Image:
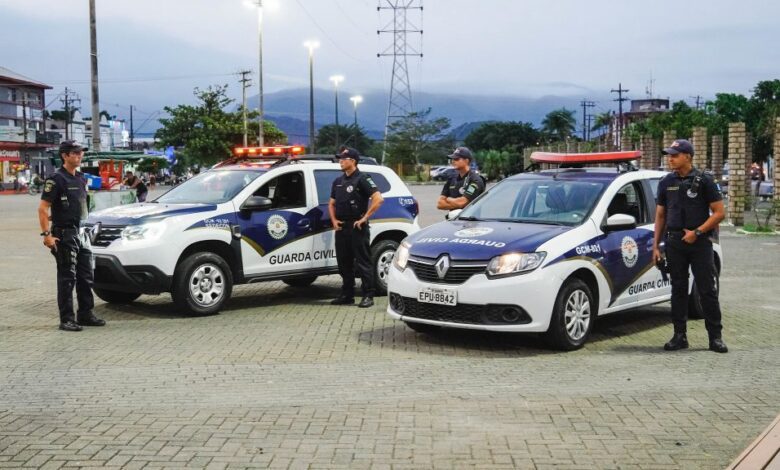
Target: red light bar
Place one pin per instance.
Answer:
(576, 158)
(272, 152)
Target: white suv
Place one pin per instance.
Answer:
(243, 221)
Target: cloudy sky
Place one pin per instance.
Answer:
(153, 52)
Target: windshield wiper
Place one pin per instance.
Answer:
(467, 218)
(527, 221)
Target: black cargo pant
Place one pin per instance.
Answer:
(354, 257)
(699, 257)
(74, 268)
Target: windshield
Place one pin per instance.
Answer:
(210, 187)
(541, 201)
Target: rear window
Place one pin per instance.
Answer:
(324, 181)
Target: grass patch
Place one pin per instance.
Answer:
(757, 229)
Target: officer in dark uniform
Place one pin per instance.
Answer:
(134, 182)
(65, 194)
(349, 213)
(689, 208)
(465, 186)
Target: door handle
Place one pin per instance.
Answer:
(304, 223)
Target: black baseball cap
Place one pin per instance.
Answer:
(349, 152)
(461, 152)
(68, 146)
(679, 146)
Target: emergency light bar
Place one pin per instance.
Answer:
(277, 151)
(581, 158)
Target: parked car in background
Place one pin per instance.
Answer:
(445, 174)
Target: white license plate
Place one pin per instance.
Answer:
(431, 295)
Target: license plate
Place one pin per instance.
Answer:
(432, 295)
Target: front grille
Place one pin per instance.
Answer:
(491, 314)
(425, 270)
(108, 233)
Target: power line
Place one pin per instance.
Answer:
(585, 105)
(697, 99)
(620, 101)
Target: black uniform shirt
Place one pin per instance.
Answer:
(352, 194)
(469, 186)
(687, 207)
(68, 197)
(141, 188)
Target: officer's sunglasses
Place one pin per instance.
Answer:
(76, 152)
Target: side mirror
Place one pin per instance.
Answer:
(619, 222)
(453, 213)
(256, 203)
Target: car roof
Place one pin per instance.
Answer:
(599, 174)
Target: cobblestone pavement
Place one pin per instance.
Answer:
(282, 379)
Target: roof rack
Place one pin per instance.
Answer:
(622, 160)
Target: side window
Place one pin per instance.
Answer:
(654, 186)
(381, 182)
(286, 191)
(629, 200)
(323, 179)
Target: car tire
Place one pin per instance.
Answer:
(381, 259)
(424, 328)
(695, 309)
(300, 281)
(202, 284)
(573, 316)
(114, 296)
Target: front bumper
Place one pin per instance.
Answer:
(110, 274)
(522, 303)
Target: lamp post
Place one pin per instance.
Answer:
(311, 45)
(336, 79)
(259, 5)
(357, 99)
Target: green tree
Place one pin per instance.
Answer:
(152, 165)
(511, 137)
(207, 132)
(602, 121)
(762, 115)
(416, 138)
(559, 124)
(495, 163)
(59, 114)
(348, 135)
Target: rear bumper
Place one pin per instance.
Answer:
(112, 275)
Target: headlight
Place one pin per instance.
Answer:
(402, 256)
(514, 263)
(143, 232)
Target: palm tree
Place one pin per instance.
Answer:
(602, 120)
(559, 123)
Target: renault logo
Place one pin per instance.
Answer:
(442, 266)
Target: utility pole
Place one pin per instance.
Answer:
(589, 121)
(94, 70)
(67, 101)
(245, 83)
(620, 101)
(132, 134)
(585, 105)
(698, 101)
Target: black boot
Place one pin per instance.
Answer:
(718, 346)
(70, 326)
(89, 319)
(343, 300)
(366, 302)
(678, 341)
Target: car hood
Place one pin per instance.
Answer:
(140, 213)
(471, 240)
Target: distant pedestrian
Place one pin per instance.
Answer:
(134, 182)
(464, 186)
(65, 195)
(688, 210)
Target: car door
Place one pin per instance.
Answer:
(277, 240)
(325, 241)
(628, 253)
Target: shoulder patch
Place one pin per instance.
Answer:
(48, 186)
(471, 189)
(370, 181)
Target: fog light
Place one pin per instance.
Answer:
(510, 315)
(397, 303)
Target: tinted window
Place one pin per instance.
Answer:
(629, 200)
(654, 186)
(324, 181)
(286, 191)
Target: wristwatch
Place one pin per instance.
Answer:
(45, 233)
(698, 232)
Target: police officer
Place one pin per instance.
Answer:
(349, 213)
(689, 208)
(464, 186)
(65, 194)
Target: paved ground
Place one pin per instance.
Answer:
(282, 379)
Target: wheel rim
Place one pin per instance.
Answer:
(383, 265)
(207, 285)
(577, 315)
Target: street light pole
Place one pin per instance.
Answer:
(355, 101)
(336, 79)
(261, 132)
(311, 45)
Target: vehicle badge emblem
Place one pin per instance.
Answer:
(442, 266)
